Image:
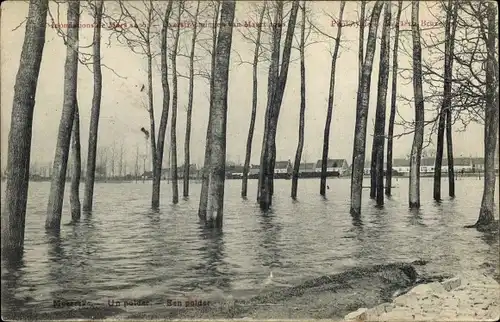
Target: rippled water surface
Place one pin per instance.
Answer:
(124, 250)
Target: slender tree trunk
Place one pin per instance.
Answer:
(248, 154)
(88, 194)
(202, 210)
(379, 131)
(300, 145)
(77, 168)
(486, 214)
(446, 104)
(382, 101)
(449, 132)
(331, 93)
(363, 98)
(155, 202)
(277, 98)
(136, 163)
(418, 139)
(218, 118)
(18, 160)
(55, 203)
(120, 161)
(187, 139)
(263, 194)
(392, 116)
(173, 128)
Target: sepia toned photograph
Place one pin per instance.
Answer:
(256, 160)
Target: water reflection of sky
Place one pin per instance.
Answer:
(125, 251)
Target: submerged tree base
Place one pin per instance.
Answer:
(414, 205)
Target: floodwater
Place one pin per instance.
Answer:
(123, 250)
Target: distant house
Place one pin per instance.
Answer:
(254, 169)
(307, 167)
(147, 175)
(193, 172)
(283, 167)
(334, 165)
(401, 165)
(234, 170)
(427, 165)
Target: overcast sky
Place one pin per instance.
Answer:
(122, 114)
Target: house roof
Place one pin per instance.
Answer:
(305, 166)
(331, 163)
(281, 164)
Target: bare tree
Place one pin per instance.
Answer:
(173, 126)
(187, 139)
(248, 154)
(202, 210)
(88, 194)
(272, 79)
(377, 159)
(120, 161)
(450, 27)
(486, 214)
(418, 138)
(218, 117)
(162, 129)
(77, 168)
(136, 167)
(112, 161)
(329, 113)
(55, 203)
(363, 98)
(392, 116)
(300, 145)
(18, 161)
(269, 146)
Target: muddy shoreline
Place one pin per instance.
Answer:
(325, 297)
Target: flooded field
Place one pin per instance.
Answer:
(123, 251)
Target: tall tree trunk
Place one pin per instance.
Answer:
(486, 214)
(300, 145)
(88, 194)
(55, 204)
(263, 194)
(202, 209)
(449, 125)
(136, 163)
(162, 129)
(392, 116)
(363, 98)
(446, 104)
(218, 118)
(379, 132)
(277, 98)
(248, 154)
(187, 139)
(120, 161)
(18, 160)
(77, 168)
(173, 128)
(418, 139)
(331, 93)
